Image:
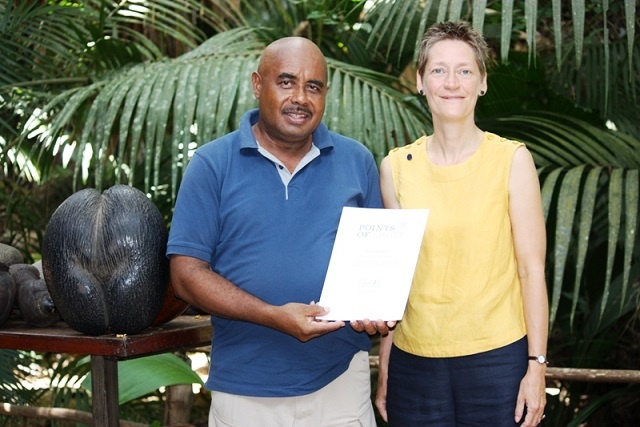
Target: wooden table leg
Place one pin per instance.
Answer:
(104, 391)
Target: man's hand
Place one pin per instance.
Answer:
(299, 321)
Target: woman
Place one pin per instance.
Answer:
(471, 347)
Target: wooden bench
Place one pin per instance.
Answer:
(181, 333)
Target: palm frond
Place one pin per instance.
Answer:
(157, 110)
(122, 111)
(67, 372)
(29, 31)
(370, 110)
(592, 70)
(569, 197)
(14, 377)
(570, 153)
(630, 10)
(556, 139)
(607, 83)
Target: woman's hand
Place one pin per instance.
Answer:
(532, 396)
(373, 327)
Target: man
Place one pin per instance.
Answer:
(250, 242)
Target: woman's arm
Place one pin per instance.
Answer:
(529, 238)
(390, 201)
(387, 188)
(383, 374)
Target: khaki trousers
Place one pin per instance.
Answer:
(345, 402)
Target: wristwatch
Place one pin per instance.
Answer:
(540, 359)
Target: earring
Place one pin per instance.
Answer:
(482, 93)
(421, 92)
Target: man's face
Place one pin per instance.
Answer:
(291, 88)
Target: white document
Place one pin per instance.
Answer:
(372, 263)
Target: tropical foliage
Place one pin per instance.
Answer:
(95, 93)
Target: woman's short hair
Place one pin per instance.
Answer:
(450, 30)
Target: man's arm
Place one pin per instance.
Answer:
(194, 282)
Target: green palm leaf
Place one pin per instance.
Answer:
(584, 231)
(558, 142)
(14, 374)
(153, 108)
(130, 89)
(566, 209)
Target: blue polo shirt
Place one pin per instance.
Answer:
(274, 240)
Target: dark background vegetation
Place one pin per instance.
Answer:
(95, 93)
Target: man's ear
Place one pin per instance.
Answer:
(256, 81)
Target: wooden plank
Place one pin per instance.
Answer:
(182, 332)
(55, 414)
(594, 375)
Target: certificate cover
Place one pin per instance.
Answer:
(372, 263)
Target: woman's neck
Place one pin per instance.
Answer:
(451, 145)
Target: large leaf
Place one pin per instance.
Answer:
(155, 107)
(141, 376)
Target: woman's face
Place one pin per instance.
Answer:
(452, 81)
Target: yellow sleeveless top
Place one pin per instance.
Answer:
(466, 296)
